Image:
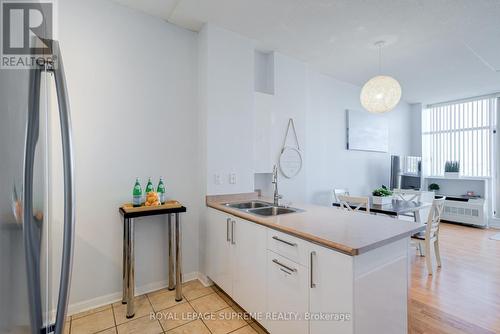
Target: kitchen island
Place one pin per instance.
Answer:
(318, 270)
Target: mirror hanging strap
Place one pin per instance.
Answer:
(291, 124)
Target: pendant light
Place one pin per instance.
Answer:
(381, 93)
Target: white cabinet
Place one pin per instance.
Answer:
(219, 256)
(311, 281)
(360, 294)
(331, 291)
(292, 248)
(236, 259)
(381, 289)
(249, 266)
(304, 288)
(287, 295)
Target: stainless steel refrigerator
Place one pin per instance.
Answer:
(33, 297)
(406, 172)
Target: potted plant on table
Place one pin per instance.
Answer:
(451, 169)
(382, 195)
(434, 187)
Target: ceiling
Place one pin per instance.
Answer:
(439, 50)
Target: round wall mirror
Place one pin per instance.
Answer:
(290, 162)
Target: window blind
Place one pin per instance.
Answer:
(460, 132)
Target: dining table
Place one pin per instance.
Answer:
(396, 208)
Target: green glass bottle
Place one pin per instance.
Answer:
(149, 187)
(137, 193)
(161, 190)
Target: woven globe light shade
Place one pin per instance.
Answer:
(380, 94)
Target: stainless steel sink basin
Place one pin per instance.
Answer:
(272, 211)
(248, 205)
(262, 208)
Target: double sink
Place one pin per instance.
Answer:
(261, 208)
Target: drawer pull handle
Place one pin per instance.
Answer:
(228, 238)
(233, 224)
(313, 285)
(293, 244)
(285, 271)
(293, 270)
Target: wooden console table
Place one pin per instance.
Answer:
(129, 213)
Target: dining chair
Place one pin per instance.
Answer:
(407, 195)
(337, 193)
(411, 195)
(429, 238)
(346, 203)
(422, 214)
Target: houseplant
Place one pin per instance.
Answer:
(434, 187)
(382, 195)
(452, 169)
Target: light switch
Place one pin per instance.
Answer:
(217, 179)
(232, 178)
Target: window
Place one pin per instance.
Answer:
(411, 165)
(460, 132)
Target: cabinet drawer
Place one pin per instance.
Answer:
(288, 246)
(287, 294)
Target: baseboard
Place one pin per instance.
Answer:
(205, 280)
(89, 304)
(494, 223)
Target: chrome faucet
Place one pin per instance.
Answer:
(277, 196)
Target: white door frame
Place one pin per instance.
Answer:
(496, 168)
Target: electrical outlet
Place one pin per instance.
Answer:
(232, 178)
(217, 179)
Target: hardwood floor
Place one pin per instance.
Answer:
(464, 295)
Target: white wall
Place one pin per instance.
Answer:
(290, 101)
(226, 103)
(151, 99)
(273, 113)
(416, 129)
(226, 85)
(317, 103)
(132, 82)
(329, 164)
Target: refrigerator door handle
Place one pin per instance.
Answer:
(31, 235)
(69, 192)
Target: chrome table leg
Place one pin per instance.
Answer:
(178, 259)
(125, 261)
(171, 284)
(416, 216)
(130, 269)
